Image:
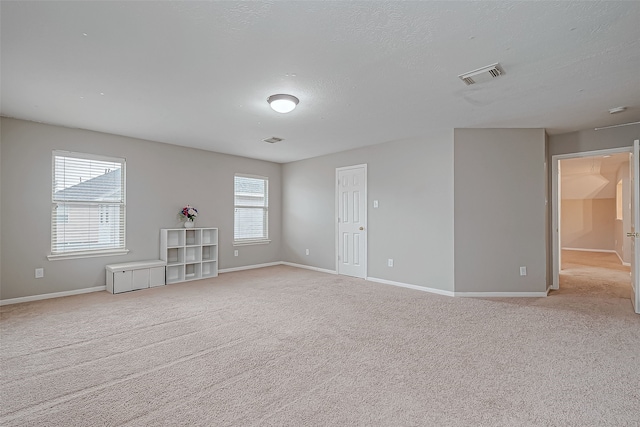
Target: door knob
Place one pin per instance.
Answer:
(633, 234)
(361, 228)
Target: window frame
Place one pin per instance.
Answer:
(265, 209)
(55, 253)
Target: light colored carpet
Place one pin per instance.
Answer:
(282, 346)
(594, 273)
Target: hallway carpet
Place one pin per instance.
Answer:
(594, 274)
(282, 346)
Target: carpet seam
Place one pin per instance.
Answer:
(67, 397)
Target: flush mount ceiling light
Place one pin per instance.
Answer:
(283, 103)
(482, 74)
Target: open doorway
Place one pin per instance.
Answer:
(592, 216)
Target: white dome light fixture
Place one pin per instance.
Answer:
(283, 103)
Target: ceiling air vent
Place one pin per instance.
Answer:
(482, 74)
(273, 140)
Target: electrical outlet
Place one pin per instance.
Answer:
(523, 271)
(39, 273)
(375, 203)
(307, 251)
(390, 262)
(235, 253)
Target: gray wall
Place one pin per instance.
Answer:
(413, 182)
(498, 203)
(161, 178)
(500, 214)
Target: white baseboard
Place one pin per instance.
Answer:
(609, 251)
(249, 267)
(271, 264)
(501, 294)
(52, 295)
(406, 285)
(627, 264)
(308, 267)
(590, 250)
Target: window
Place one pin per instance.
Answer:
(251, 218)
(619, 213)
(88, 205)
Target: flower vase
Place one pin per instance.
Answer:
(188, 224)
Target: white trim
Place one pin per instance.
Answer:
(555, 214)
(634, 177)
(626, 264)
(594, 153)
(122, 203)
(249, 267)
(501, 294)
(89, 156)
(609, 251)
(416, 287)
(248, 175)
(52, 295)
(308, 267)
(265, 211)
(93, 254)
(619, 257)
(251, 242)
(272, 264)
(556, 253)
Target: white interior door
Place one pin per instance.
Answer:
(634, 173)
(351, 194)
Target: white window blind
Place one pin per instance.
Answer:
(251, 216)
(88, 204)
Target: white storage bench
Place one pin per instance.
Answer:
(131, 276)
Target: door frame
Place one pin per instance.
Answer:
(635, 225)
(555, 198)
(366, 217)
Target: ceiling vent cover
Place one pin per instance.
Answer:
(482, 74)
(273, 140)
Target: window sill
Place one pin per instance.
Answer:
(251, 242)
(76, 255)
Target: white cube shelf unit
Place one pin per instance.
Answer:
(190, 253)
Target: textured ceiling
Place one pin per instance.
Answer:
(198, 73)
(601, 165)
(591, 177)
